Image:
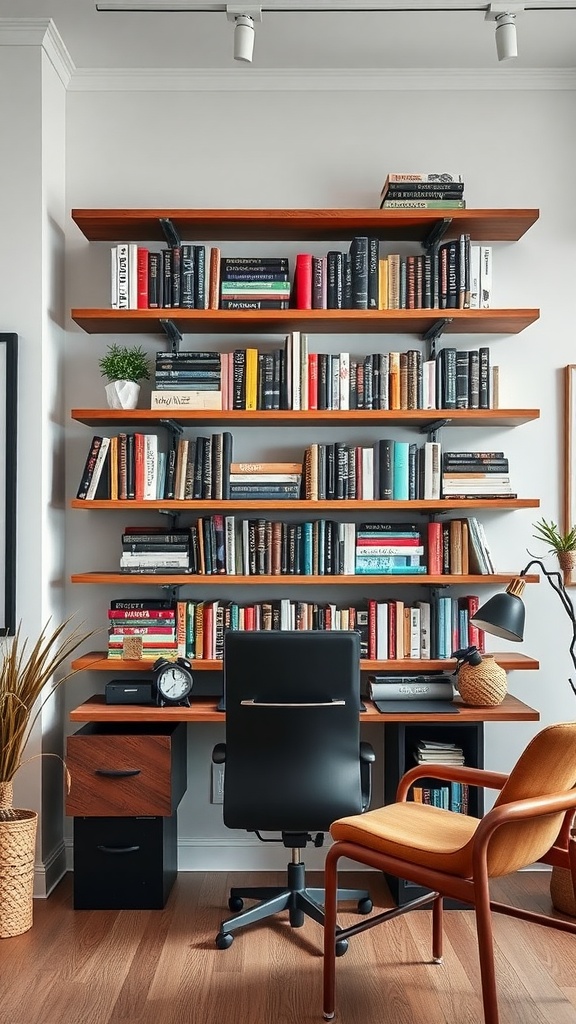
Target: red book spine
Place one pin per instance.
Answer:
(142, 278)
(372, 644)
(139, 467)
(148, 613)
(435, 549)
(303, 280)
(312, 380)
(476, 636)
(249, 617)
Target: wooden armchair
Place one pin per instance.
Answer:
(455, 855)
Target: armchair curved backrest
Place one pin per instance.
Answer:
(292, 729)
(546, 767)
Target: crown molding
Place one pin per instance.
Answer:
(40, 32)
(318, 80)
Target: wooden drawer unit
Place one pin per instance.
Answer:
(121, 770)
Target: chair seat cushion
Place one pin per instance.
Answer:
(414, 832)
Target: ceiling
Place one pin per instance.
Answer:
(312, 39)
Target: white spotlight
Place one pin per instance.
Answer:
(506, 41)
(244, 38)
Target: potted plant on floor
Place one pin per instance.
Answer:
(23, 677)
(124, 366)
(563, 545)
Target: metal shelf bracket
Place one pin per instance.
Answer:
(433, 333)
(174, 428)
(436, 234)
(170, 233)
(172, 333)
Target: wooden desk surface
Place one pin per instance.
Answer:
(96, 710)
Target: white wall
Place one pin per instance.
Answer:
(333, 149)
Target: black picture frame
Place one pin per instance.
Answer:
(8, 461)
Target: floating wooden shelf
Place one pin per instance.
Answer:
(318, 321)
(301, 225)
(96, 661)
(295, 418)
(209, 505)
(189, 580)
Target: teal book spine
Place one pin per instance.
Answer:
(401, 475)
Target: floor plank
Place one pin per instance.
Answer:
(162, 967)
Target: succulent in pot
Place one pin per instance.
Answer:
(124, 366)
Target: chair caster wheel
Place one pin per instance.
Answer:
(341, 946)
(365, 906)
(224, 940)
(235, 903)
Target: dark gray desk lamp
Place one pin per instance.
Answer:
(503, 615)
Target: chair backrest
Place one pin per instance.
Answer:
(292, 729)
(547, 766)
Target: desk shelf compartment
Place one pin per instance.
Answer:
(399, 744)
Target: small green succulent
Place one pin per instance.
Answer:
(125, 362)
(557, 542)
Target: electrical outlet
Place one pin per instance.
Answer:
(217, 796)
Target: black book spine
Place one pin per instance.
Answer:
(176, 276)
(317, 282)
(484, 359)
(130, 467)
(187, 277)
(335, 282)
(201, 444)
(239, 379)
(207, 469)
(386, 469)
(89, 465)
(359, 255)
(200, 276)
(373, 258)
(462, 378)
(257, 263)
(167, 278)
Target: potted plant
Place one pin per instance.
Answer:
(124, 366)
(23, 677)
(561, 544)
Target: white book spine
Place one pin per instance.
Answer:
(424, 607)
(114, 277)
(98, 467)
(429, 384)
(367, 474)
(246, 547)
(474, 277)
(150, 466)
(304, 371)
(382, 631)
(122, 267)
(485, 276)
(296, 391)
(415, 632)
(350, 549)
(344, 380)
(335, 365)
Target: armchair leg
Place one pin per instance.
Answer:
(486, 951)
(437, 929)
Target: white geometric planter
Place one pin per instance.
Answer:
(122, 394)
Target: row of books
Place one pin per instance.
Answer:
(425, 629)
(453, 796)
(199, 626)
(387, 470)
(294, 378)
(175, 277)
(238, 546)
(147, 626)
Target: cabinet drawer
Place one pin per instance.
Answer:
(120, 771)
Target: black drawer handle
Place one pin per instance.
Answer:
(118, 849)
(118, 773)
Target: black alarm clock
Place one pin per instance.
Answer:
(173, 681)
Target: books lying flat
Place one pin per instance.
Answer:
(416, 707)
(186, 400)
(417, 688)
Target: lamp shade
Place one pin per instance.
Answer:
(503, 615)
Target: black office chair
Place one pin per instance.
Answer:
(294, 760)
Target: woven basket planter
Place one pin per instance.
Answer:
(482, 685)
(17, 847)
(562, 891)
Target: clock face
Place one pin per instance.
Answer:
(174, 682)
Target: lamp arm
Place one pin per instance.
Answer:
(556, 582)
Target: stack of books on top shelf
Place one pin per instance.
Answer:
(434, 752)
(423, 191)
(187, 380)
(481, 475)
(151, 549)
(147, 626)
(388, 548)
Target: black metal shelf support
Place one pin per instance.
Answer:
(170, 233)
(436, 234)
(433, 333)
(172, 333)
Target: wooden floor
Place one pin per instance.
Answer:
(162, 967)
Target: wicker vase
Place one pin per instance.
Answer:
(482, 685)
(17, 846)
(562, 890)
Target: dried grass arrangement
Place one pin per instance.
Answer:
(23, 677)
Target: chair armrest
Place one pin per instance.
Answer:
(450, 773)
(518, 810)
(367, 754)
(219, 753)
